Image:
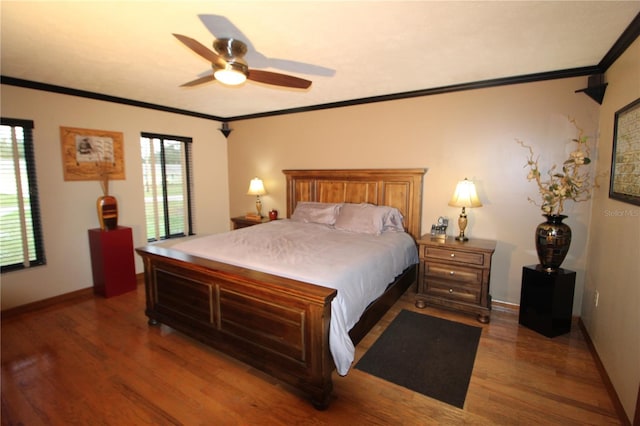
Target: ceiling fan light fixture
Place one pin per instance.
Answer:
(229, 67)
(230, 77)
(232, 73)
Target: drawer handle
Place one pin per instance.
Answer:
(450, 290)
(452, 272)
(453, 255)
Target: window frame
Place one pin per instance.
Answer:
(34, 199)
(187, 173)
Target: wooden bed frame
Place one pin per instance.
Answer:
(278, 325)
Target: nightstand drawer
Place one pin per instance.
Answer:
(453, 272)
(451, 291)
(451, 255)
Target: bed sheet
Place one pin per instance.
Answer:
(359, 266)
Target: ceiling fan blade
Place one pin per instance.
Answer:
(277, 79)
(288, 65)
(222, 27)
(205, 79)
(198, 47)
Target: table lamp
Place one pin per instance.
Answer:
(256, 187)
(464, 196)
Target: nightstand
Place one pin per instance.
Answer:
(455, 274)
(243, 222)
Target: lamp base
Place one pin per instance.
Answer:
(259, 206)
(462, 224)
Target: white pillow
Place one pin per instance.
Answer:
(313, 212)
(393, 221)
(369, 219)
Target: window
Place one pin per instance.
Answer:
(20, 227)
(166, 169)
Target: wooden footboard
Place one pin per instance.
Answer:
(275, 324)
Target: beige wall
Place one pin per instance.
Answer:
(465, 134)
(614, 251)
(69, 208)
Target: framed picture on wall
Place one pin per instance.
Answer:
(625, 159)
(90, 154)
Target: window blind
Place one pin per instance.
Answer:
(167, 176)
(21, 243)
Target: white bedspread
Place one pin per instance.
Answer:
(359, 266)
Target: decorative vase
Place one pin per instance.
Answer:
(553, 239)
(107, 212)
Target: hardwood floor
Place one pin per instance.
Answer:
(97, 362)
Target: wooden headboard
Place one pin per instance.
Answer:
(399, 188)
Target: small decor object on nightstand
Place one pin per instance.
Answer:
(256, 187)
(464, 196)
(440, 230)
(273, 214)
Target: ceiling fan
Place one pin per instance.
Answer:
(230, 67)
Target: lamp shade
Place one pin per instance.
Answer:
(256, 187)
(465, 195)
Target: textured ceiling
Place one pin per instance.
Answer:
(349, 49)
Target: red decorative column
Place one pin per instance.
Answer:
(112, 261)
